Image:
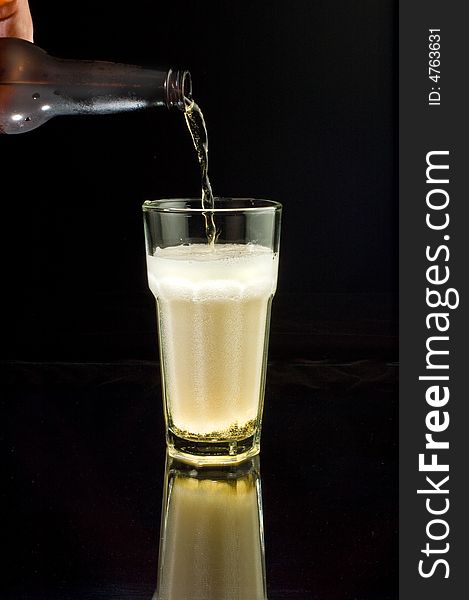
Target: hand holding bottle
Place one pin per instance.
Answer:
(35, 86)
(15, 19)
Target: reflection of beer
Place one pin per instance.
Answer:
(212, 545)
(213, 305)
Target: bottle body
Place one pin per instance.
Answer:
(35, 87)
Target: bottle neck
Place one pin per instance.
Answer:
(103, 87)
(178, 87)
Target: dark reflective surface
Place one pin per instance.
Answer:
(85, 479)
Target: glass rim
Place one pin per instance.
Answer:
(163, 205)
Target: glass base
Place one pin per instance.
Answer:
(202, 453)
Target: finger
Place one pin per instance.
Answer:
(15, 19)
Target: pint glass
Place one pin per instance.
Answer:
(213, 310)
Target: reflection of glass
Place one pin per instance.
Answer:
(213, 304)
(212, 543)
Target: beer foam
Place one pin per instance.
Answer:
(202, 272)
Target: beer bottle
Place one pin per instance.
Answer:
(35, 86)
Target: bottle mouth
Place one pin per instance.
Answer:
(178, 87)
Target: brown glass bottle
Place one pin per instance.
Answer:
(35, 87)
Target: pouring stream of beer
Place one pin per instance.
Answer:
(198, 130)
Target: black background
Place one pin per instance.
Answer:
(299, 99)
